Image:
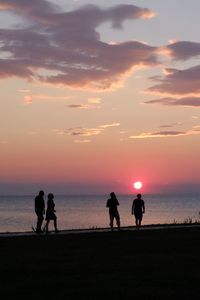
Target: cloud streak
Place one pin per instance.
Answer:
(169, 125)
(93, 103)
(167, 133)
(185, 101)
(30, 98)
(80, 131)
(82, 141)
(65, 48)
(85, 132)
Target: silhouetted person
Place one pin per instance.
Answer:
(39, 210)
(112, 203)
(50, 213)
(138, 209)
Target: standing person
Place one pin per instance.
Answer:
(50, 213)
(39, 210)
(112, 204)
(138, 209)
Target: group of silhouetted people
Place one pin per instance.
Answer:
(40, 212)
(138, 209)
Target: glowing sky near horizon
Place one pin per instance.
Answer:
(100, 92)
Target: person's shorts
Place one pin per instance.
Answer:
(138, 215)
(114, 215)
(39, 214)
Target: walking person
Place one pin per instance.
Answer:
(39, 210)
(138, 209)
(50, 213)
(112, 204)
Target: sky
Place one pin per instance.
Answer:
(97, 95)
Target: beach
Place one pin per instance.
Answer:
(130, 264)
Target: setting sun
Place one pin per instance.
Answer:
(137, 185)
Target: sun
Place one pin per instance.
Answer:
(137, 185)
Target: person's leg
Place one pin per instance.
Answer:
(111, 221)
(47, 226)
(39, 222)
(55, 224)
(140, 221)
(117, 217)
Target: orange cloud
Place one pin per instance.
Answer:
(85, 132)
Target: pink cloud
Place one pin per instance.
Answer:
(183, 50)
(178, 82)
(178, 87)
(67, 45)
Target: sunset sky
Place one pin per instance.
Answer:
(96, 95)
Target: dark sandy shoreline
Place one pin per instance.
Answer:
(101, 230)
(131, 264)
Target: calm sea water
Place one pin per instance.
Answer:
(75, 212)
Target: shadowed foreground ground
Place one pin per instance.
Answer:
(150, 264)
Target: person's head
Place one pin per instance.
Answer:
(112, 195)
(41, 193)
(50, 196)
(139, 196)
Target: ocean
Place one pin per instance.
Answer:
(81, 211)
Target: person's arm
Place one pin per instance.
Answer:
(43, 207)
(107, 204)
(132, 210)
(143, 206)
(51, 206)
(54, 207)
